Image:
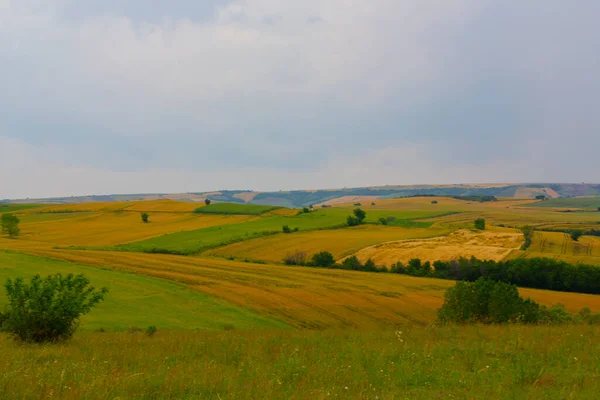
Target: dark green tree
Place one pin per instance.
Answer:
(360, 214)
(323, 259)
(480, 224)
(576, 234)
(10, 225)
(207, 201)
(48, 309)
(145, 217)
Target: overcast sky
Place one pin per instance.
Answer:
(129, 96)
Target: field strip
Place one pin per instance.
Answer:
(302, 297)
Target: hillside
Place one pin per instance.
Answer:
(302, 198)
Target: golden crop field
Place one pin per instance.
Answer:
(300, 296)
(112, 228)
(340, 242)
(462, 243)
(560, 246)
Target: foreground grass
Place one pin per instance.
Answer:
(139, 301)
(508, 362)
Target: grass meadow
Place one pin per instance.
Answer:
(470, 362)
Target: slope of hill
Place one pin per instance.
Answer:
(302, 198)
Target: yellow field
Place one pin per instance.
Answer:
(560, 246)
(111, 228)
(300, 296)
(140, 206)
(340, 242)
(463, 243)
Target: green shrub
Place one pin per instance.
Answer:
(352, 221)
(576, 234)
(10, 225)
(383, 221)
(207, 201)
(352, 263)
(286, 229)
(323, 259)
(151, 330)
(480, 224)
(48, 309)
(360, 214)
(145, 217)
(486, 301)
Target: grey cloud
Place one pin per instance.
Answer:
(306, 92)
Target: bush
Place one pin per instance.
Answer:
(352, 263)
(305, 210)
(576, 234)
(323, 259)
(207, 201)
(434, 202)
(145, 217)
(480, 224)
(352, 221)
(151, 330)
(48, 309)
(286, 229)
(486, 301)
(10, 225)
(296, 258)
(383, 221)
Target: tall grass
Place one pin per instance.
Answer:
(474, 362)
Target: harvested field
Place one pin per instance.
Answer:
(463, 243)
(340, 242)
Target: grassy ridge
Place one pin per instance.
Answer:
(472, 362)
(235, 209)
(136, 300)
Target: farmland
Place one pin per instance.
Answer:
(588, 203)
(222, 270)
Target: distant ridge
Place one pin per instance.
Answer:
(301, 198)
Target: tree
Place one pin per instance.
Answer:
(383, 221)
(360, 215)
(540, 197)
(10, 225)
(576, 234)
(286, 229)
(145, 217)
(323, 259)
(207, 201)
(352, 221)
(305, 210)
(480, 224)
(352, 263)
(48, 309)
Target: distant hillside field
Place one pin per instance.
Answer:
(304, 198)
(590, 203)
(235, 209)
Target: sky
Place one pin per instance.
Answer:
(141, 96)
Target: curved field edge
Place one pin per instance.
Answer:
(139, 301)
(303, 297)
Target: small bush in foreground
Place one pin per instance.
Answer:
(486, 301)
(48, 309)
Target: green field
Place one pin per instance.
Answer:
(469, 362)
(137, 300)
(195, 241)
(17, 207)
(235, 209)
(589, 203)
